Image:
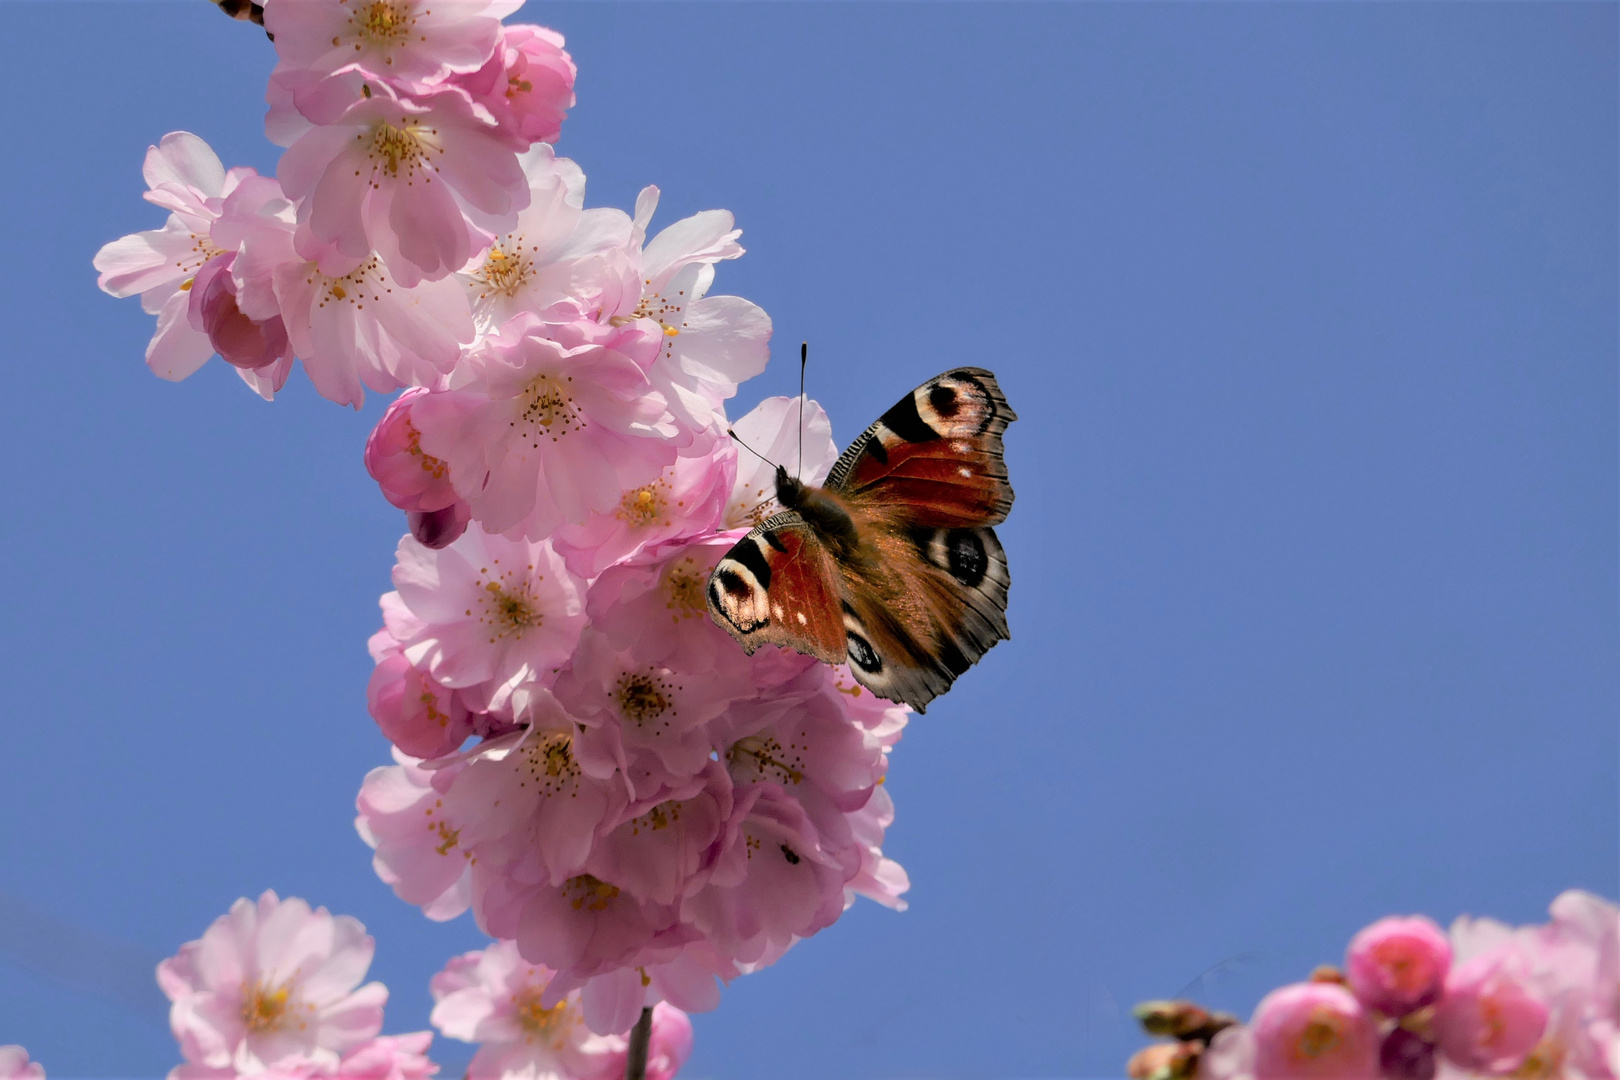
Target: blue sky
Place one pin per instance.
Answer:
(1308, 312)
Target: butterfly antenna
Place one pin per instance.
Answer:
(804, 358)
(751, 450)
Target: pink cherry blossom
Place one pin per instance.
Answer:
(589, 927)
(412, 41)
(1490, 1016)
(390, 1057)
(1569, 966)
(666, 850)
(686, 500)
(612, 1001)
(273, 982)
(417, 850)
(879, 878)
(14, 1065)
(421, 183)
(527, 85)
(1398, 965)
(1313, 1029)
(627, 707)
(1582, 950)
(780, 880)
(771, 431)
(560, 261)
(186, 178)
(545, 423)
(386, 1057)
(496, 998)
(529, 811)
(486, 615)
(710, 343)
(652, 607)
(363, 329)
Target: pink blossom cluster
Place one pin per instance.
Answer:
(408, 125)
(1413, 1003)
(273, 990)
(14, 1065)
(497, 999)
(584, 760)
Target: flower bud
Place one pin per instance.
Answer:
(1405, 1055)
(439, 528)
(239, 340)
(420, 717)
(1164, 1061)
(1316, 1030)
(1181, 1020)
(416, 482)
(1398, 965)
(1489, 1018)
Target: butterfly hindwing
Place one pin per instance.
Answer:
(935, 604)
(779, 586)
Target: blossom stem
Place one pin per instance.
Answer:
(636, 1067)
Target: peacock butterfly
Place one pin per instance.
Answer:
(893, 565)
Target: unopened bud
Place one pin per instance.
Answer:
(1327, 973)
(1165, 1061)
(1181, 1020)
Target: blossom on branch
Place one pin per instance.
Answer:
(273, 983)
(417, 42)
(499, 1000)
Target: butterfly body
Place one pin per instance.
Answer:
(892, 566)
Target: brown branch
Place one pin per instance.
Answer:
(640, 1035)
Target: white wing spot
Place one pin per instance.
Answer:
(965, 471)
(778, 610)
(800, 616)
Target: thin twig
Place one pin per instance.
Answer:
(640, 1036)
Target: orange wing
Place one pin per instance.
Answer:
(779, 586)
(937, 454)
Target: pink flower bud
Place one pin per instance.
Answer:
(1317, 1030)
(420, 717)
(527, 85)
(1397, 965)
(439, 529)
(412, 480)
(1489, 1018)
(239, 340)
(1405, 1055)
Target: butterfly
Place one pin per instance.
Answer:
(893, 565)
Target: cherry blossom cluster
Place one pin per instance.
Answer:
(1413, 1003)
(583, 760)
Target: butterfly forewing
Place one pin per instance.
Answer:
(938, 453)
(779, 586)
